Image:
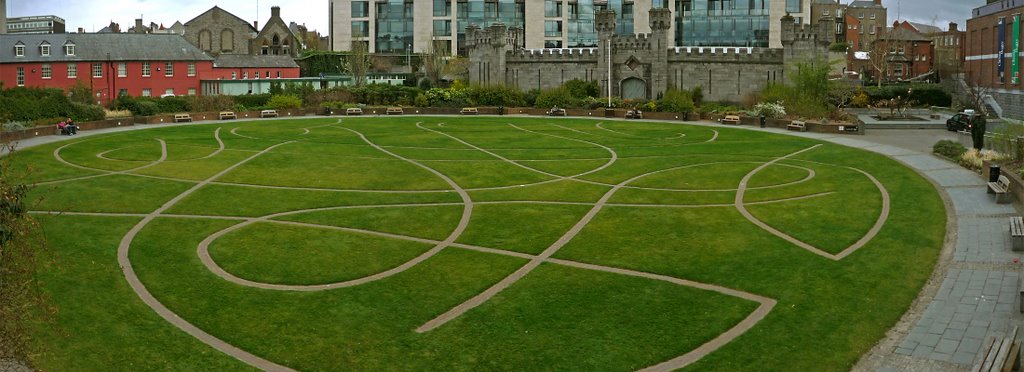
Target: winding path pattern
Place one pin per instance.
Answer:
(593, 141)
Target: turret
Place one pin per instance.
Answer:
(472, 32)
(497, 33)
(605, 23)
(788, 29)
(660, 19)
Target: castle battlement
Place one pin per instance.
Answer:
(553, 55)
(632, 42)
(724, 54)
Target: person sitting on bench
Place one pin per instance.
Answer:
(71, 127)
(63, 127)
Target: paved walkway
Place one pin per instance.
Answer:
(972, 293)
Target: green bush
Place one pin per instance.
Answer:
(209, 103)
(495, 96)
(172, 104)
(251, 100)
(949, 149)
(385, 95)
(31, 104)
(719, 108)
(531, 97)
(580, 89)
(284, 102)
(554, 97)
(676, 101)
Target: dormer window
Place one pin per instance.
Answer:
(44, 49)
(19, 50)
(69, 49)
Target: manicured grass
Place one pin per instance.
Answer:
(556, 317)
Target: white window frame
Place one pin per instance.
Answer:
(146, 92)
(191, 69)
(191, 91)
(46, 71)
(169, 69)
(44, 50)
(72, 71)
(97, 73)
(21, 76)
(147, 69)
(169, 91)
(122, 69)
(19, 50)
(69, 49)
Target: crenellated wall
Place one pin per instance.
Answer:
(643, 65)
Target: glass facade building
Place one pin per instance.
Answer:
(483, 13)
(741, 23)
(395, 26)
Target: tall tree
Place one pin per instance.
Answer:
(358, 61)
(879, 55)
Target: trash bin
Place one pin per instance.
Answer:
(609, 113)
(993, 173)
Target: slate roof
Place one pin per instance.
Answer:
(864, 4)
(251, 28)
(258, 61)
(903, 34)
(925, 29)
(102, 47)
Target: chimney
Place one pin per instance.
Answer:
(256, 24)
(138, 26)
(952, 27)
(275, 11)
(878, 2)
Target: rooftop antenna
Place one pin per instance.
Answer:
(899, 9)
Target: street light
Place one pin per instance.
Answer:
(408, 57)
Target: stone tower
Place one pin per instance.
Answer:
(3, 17)
(605, 26)
(661, 25)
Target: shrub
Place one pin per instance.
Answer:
(13, 126)
(770, 110)
(251, 100)
(113, 114)
(284, 102)
(923, 94)
(949, 149)
(860, 100)
(495, 96)
(697, 95)
(719, 108)
(329, 95)
(29, 104)
(580, 89)
(972, 159)
(172, 104)
(210, 103)
(554, 97)
(531, 97)
(676, 101)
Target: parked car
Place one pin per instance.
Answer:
(961, 121)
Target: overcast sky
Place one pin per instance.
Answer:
(96, 14)
(93, 15)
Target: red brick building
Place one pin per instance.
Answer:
(233, 67)
(109, 64)
(909, 55)
(982, 50)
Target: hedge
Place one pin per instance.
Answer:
(39, 104)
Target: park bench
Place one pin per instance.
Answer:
(395, 111)
(797, 125)
(999, 354)
(353, 111)
(1001, 188)
(731, 119)
(1017, 233)
(556, 112)
(182, 117)
(469, 111)
(634, 114)
(225, 115)
(268, 114)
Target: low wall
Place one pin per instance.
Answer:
(1016, 183)
(48, 130)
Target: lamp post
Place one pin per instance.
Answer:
(408, 57)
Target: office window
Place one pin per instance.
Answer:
(552, 28)
(44, 50)
(552, 8)
(97, 70)
(443, 27)
(122, 69)
(442, 8)
(47, 72)
(19, 50)
(360, 9)
(21, 76)
(147, 92)
(69, 49)
(72, 71)
(360, 28)
(191, 69)
(191, 91)
(145, 69)
(169, 69)
(553, 44)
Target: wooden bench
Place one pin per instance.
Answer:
(469, 111)
(556, 112)
(395, 111)
(731, 119)
(268, 114)
(353, 111)
(1017, 233)
(182, 117)
(225, 115)
(797, 125)
(999, 354)
(1001, 188)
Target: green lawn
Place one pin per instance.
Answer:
(671, 191)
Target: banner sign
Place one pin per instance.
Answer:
(1015, 60)
(1001, 53)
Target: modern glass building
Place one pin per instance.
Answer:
(417, 26)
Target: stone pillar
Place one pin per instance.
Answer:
(660, 21)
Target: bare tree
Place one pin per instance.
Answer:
(975, 97)
(435, 61)
(382, 64)
(879, 56)
(358, 62)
